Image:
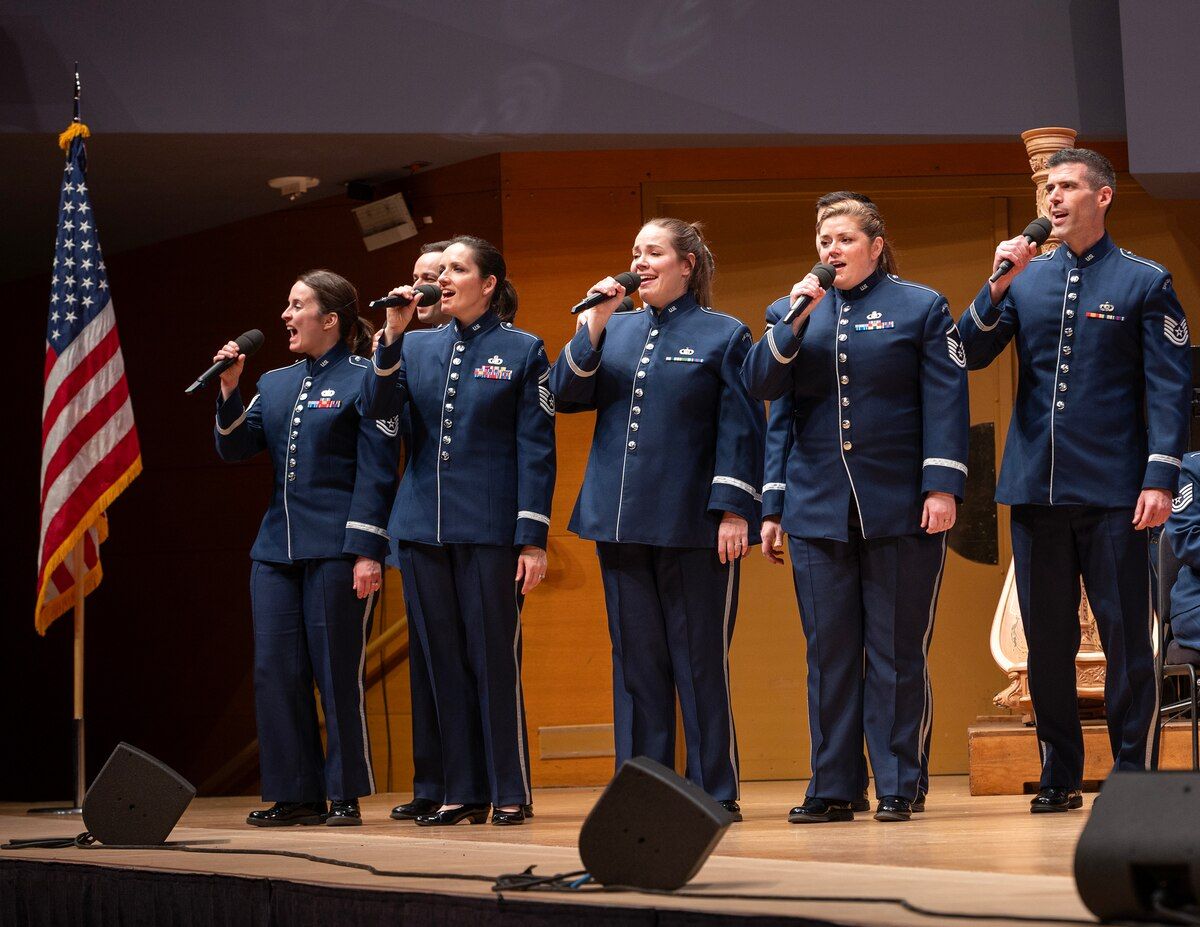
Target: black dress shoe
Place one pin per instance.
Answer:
(861, 804)
(475, 814)
(344, 813)
(893, 808)
(527, 810)
(734, 809)
(287, 813)
(1056, 799)
(918, 807)
(506, 818)
(821, 811)
(414, 809)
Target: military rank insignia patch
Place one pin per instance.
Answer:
(955, 348)
(389, 426)
(545, 397)
(1183, 499)
(1176, 331)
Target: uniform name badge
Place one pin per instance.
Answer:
(493, 369)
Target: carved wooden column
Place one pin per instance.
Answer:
(1008, 638)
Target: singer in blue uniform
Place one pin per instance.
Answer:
(875, 384)
(316, 569)
(471, 517)
(428, 784)
(1091, 461)
(670, 496)
(1183, 530)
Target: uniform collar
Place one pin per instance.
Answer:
(338, 352)
(1090, 256)
(686, 303)
(484, 323)
(863, 288)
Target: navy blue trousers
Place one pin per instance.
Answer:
(309, 626)
(1053, 546)
(467, 611)
(426, 742)
(671, 612)
(867, 607)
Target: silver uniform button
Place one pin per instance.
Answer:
(1062, 387)
(637, 410)
(848, 306)
(645, 360)
(307, 384)
(632, 445)
(445, 439)
(445, 455)
(1065, 368)
(845, 424)
(460, 348)
(291, 477)
(653, 332)
(449, 407)
(1074, 278)
(294, 433)
(1072, 296)
(304, 395)
(842, 336)
(451, 391)
(846, 445)
(1067, 349)
(292, 462)
(641, 374)
(454, 376)
(649, 345)
(638, 392)
(291, 447)
(1068, 332)
(1070, 313)
(845, 400)
(845, 379)
(633, 426)
(845, 309)
(295, 421)
(448, 423)
(842, 358)
(299, 408)
(457, 361)
(1060, 405)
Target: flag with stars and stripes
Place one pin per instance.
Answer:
(90, 447)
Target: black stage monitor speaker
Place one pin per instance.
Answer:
(1139, 853)
(135, 799)
(650, 828)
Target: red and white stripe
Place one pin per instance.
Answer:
(89, 451)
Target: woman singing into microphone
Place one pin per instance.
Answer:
(471, 517)
(670, 496)
(876, 461)
(316, 561)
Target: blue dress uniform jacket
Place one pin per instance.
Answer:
(678, 442)
(869, 409)
(481, 460)
(335, 471)
(1183, 529)
(1105, 372)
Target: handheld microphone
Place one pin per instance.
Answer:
(430, 294)
(824, 274)
(1036, 232)
(630, 281)
(247, 343)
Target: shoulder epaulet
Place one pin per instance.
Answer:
(1042, 257)
(277, 369)
(509, 327)
(722, 315)
(1129, 255)
(359, 361)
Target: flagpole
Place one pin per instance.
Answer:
(78, 569)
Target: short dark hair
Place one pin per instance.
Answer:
(434, 246)
(1099, 172)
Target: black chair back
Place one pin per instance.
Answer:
(1168, 571)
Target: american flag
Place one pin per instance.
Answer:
(90, 447)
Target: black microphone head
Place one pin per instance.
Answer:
(629, 280)
(626, 305)
(250, 341)
(825, 274)
(1038, 230)
(430, 293)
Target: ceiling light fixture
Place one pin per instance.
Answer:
(293, 187)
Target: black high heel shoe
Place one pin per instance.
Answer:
(475, 814)
(503, 818)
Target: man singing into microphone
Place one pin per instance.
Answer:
(1091, 461)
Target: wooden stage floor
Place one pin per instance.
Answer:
(978, 855)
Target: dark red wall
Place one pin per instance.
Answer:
(168, 630)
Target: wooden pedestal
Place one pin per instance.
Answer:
(1003, 754)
